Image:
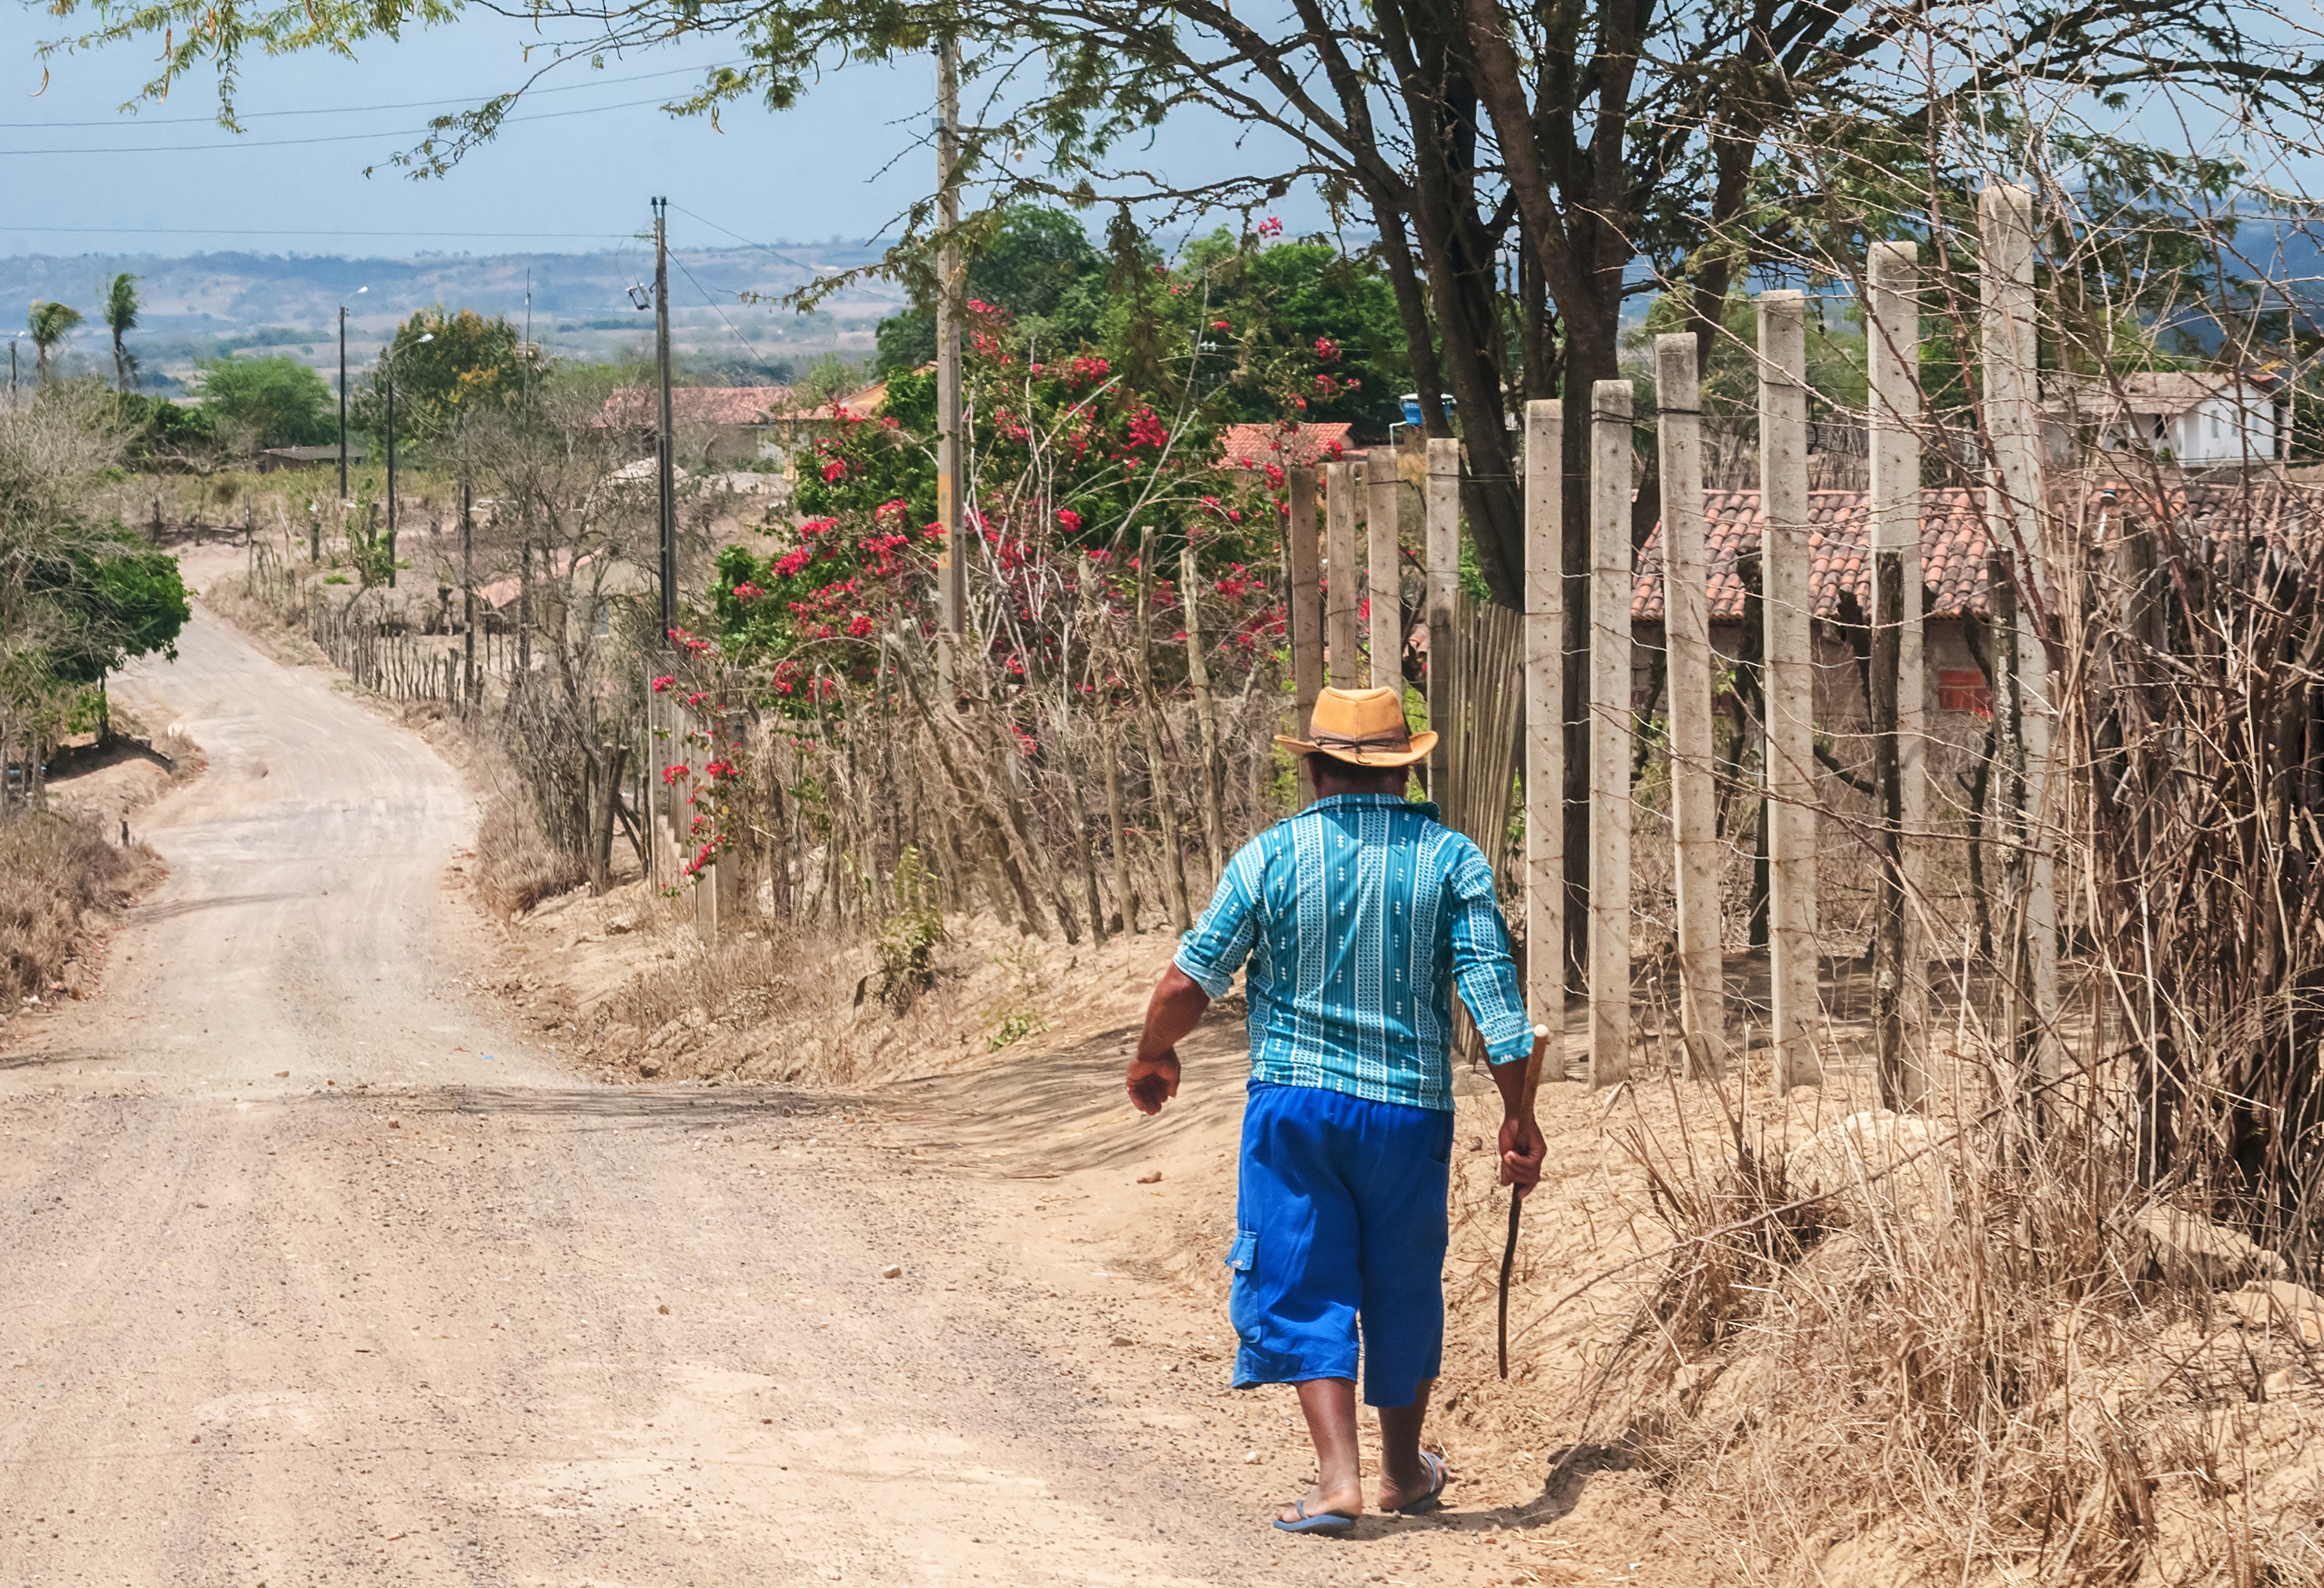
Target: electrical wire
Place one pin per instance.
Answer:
(739, 237)
(717, 308)
(165, 120)
(7, 227)
(328, 138)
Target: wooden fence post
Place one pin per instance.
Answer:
(1610, 732)
(1307, 611)
(1385, 584)
(1340, 567)
(2012, 521)
(1788, 603)
(1686, 640)
(1899, 704)
(1544, 717)
(1444, 586)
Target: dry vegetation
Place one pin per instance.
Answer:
(55, 870)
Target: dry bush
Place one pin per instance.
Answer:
(54, 868)
(1970, 1370)
(773, 1002)
(517, 867)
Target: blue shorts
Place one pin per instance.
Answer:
(1340, 1227)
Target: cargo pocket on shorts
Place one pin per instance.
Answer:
(1244, 1313)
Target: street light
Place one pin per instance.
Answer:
(387, 363)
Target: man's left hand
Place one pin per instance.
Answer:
(1522, 1151)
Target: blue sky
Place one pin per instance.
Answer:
(170, 180)
(166, 180)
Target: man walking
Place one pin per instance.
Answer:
(1359, 916)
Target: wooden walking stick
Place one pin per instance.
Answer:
(1516, 1192)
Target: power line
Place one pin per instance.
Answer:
(719, 309)
(739, 237)
(6, 226)
(168, 120)
(328, 138)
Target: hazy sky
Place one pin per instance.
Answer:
(166, 179)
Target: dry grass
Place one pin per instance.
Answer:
(768, 1002)
(54, 869)
(517, 867)
(1970, 1371)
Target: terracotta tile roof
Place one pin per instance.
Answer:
(2266, 505)
(1952, 552)
(634, 407)
(1285, 446)
(2263, 505)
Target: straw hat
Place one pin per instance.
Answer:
(1364, 727)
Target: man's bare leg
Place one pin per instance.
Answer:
(1330, 1405)
(1404, 1476)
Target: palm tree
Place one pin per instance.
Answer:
(120, 299)
(50, 323)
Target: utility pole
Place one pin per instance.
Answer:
(951, 562)
(662, 460)
(390, 469)
(468, 584)
(343, 402)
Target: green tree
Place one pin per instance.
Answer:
(443, 363)
(51, 324)
(260, 403)
(1028, 260)
(125, 601)
(119, 296)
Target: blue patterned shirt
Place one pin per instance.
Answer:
(1359, 917)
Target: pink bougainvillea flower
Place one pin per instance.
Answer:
(1071, 520)
(833, 472)
(671, 774)
(663, 683)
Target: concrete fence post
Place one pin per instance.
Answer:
(1545, 719)
(1340, 572)
(1306, 613)
(1610, 732)
(1385, 584)
(1444, 587)
(1788, 674)
(1686, 640)
(2012, 522)
(1899, 705)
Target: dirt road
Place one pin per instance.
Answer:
(413, 1314)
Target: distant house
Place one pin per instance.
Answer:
(1288, 445)
(2262, 506)
(726, 426)
(2191, 418)
(281, 458)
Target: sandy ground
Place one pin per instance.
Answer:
(321, 1272)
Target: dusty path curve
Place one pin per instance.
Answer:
(410, 1315)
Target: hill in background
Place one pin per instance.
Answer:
(207, 304)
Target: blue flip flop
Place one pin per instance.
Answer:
(1323, 1521)
(1434, 1498)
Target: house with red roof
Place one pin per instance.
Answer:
(2262, 506)
(1288, 445)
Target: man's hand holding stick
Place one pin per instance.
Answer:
(1522, 1151)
